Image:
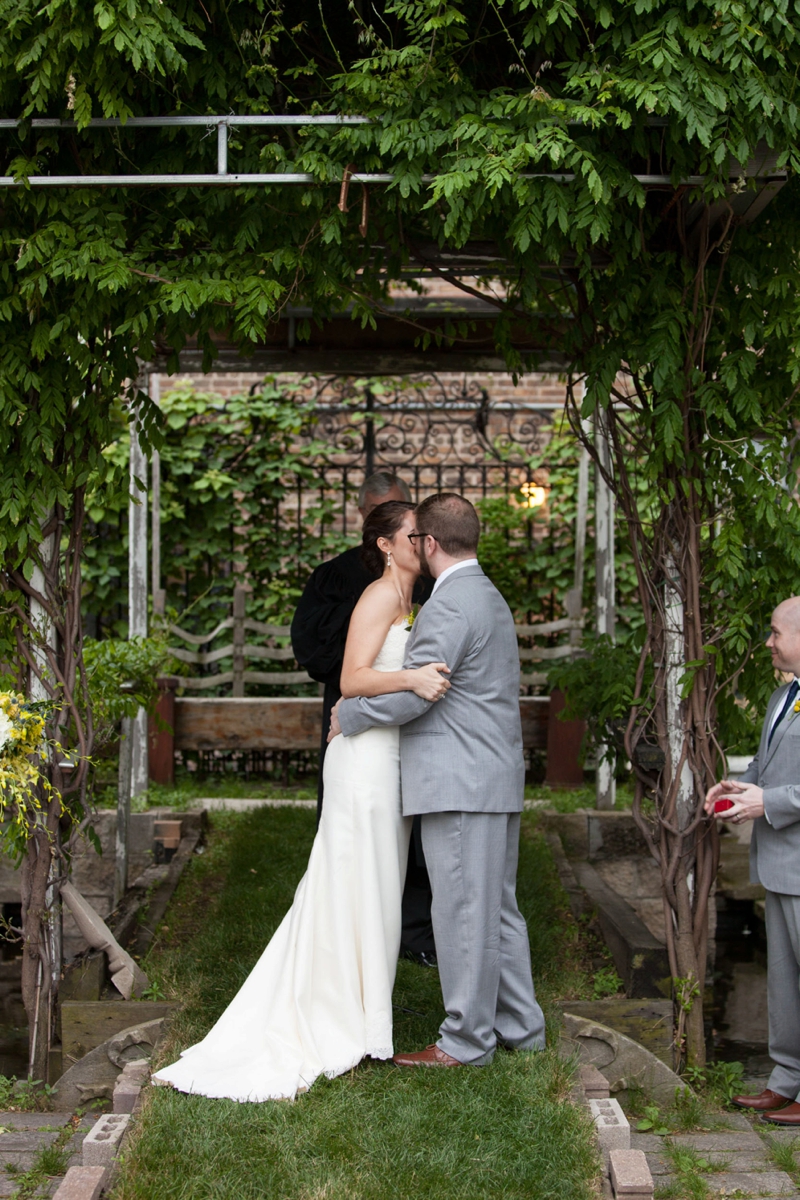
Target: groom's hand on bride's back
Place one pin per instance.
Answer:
(335, 728)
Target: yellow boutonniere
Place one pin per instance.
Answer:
(797, 706)
(412, 616)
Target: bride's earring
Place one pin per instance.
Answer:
(389, 558)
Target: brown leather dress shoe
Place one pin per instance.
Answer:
(789, 1116)
(766, 1101)
(431, 1056)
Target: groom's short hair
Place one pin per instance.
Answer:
(452, 521)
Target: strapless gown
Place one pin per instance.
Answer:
(320, 997)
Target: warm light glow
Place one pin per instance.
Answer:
(534, 495)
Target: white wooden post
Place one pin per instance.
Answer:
(137, 594)
(675, 656)
(574, 598)
(157, 592)
(605, 606)
(239, 613)
(136, 728)
(36, 691)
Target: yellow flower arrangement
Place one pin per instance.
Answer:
(22, 743)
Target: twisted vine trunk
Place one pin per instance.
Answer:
(670, 735)
(40, 968)
(51, 649)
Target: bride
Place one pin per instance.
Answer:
(320, 997)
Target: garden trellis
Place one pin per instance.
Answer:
(765, 169)
(747, 203)
(716, 82)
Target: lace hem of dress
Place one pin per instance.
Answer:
(303, 1084)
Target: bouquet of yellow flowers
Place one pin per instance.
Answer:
(22, 741)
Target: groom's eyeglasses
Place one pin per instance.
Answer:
(412, 537)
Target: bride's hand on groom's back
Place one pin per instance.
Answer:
(429, 682)
(335, 728)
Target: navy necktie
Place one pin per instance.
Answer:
(787, 704)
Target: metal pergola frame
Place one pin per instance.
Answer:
(223, 124)
(747, 203)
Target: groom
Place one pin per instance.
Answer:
(462, 768)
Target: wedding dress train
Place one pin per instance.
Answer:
(320, 997)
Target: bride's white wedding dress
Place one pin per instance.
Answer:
(320, 997)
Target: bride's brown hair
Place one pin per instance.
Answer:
(383, 522)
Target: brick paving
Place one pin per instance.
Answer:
(739, 1156)
(25, 1134)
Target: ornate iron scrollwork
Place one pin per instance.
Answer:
(422, 421)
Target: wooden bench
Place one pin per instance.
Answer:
(292, 723)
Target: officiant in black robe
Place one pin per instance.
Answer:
(319, 633)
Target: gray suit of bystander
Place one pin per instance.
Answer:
(768, 793)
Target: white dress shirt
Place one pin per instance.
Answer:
(465, 562)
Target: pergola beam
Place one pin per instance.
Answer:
(223, 179)
(761, 166)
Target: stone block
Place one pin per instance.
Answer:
(93, 873)
(84, 979)
(101, 1144)
(9, 881)
(593, 1082)
(614, 835)
(125, 1096)
(93, 1077)
(571, 828)
(756, 1183)
(721, 1143)
(137, 1044)
(86, 1024)
(82, 1183)
(640, 958)
(27, 1141)
(630, 1174)
(20, 1120)
(648, 1022)
(623, 1061)
(140, 843)
(738, 1120)
(128, 1087)
(74, 941)
(136, 1071)
(745, 1012)
(613, 1130)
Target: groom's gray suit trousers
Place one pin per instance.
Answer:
(481, 936)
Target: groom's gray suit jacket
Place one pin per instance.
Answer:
(463, 752)
(775, 845)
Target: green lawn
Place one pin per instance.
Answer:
(189, 786)
(380, 1132)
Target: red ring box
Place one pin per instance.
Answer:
(722, 805)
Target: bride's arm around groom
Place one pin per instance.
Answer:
(463, 770)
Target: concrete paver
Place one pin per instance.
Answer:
(742, 1156)
(23, 1135)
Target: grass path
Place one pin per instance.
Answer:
(377, 1133)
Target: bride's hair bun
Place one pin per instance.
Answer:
(383, 522)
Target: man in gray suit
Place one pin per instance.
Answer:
(768, 793)
(462, 769)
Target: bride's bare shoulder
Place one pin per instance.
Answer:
(379, 599)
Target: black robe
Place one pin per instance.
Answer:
(319, 633)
